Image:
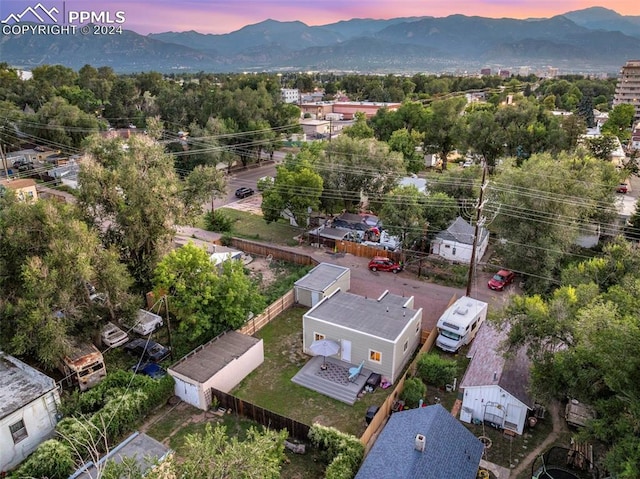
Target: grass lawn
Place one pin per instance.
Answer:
(270, 385)
(254, 227)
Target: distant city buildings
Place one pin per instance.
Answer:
(628, 87)
(290, 95)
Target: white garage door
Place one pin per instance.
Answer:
(187, 392)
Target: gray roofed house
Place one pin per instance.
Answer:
(220, 364)
(456, 242)
(28, 410)
(425, 443)
(381, 332)
(320, 282)
(495, 387)
(143, 449)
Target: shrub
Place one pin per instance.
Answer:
(217, 221)
(436, 370)
(226, 240)
(414, 390)
(344, 452)
(52, 459)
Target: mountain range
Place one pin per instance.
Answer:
(584, 41)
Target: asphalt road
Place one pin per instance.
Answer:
(247, 177)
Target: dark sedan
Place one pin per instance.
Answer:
(244, 192)
(147, 350)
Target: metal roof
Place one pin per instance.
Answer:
(384, 317)
(489, 366)
(461, 232)
(204, 362)
(321, 277)
(20, 384)
(139, 447)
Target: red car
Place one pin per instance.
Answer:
(501, 280)
(622, 188)
(383, 263)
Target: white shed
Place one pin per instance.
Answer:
(220, 364)
(320, 282)
(456, 242)
(495, 388)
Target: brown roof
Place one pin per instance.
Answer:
(16, 184)
(489, 366)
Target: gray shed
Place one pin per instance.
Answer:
(321, 282)
(383, 333)
(220, 364)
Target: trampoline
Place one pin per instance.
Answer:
(555, 473)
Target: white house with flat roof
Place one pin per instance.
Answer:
(382, 332)
(220, 364)
(321, 282)
(29, 403)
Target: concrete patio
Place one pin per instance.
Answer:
(332, 381)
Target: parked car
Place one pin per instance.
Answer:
(622, 188)
(382, 263)
(244, 192)
(112, 336)
(501, 280)
(153, 370)
(147, 350)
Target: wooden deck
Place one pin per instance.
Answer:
(332, 381)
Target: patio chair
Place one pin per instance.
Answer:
(355, 372)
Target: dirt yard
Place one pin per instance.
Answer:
(261, 268)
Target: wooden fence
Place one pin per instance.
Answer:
(380, 419)
(273, 310)
(267, 250)
(364, 251)
(262, 416)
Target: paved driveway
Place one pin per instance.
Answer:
(432, 298)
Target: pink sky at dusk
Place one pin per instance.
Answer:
(224, 16)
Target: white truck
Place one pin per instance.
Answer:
(459, 324)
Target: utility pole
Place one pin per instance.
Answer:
(4, 162)
(479, 222)
(166, 309)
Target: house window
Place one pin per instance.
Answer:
(375, 356)
(18, 431)
(318, 336)
(405, 346)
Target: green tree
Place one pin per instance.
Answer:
(483, 135)
(440, 210)
(48, 257)
(577, 338)
(602, 146)
(360, 129)
(540, 223)
(214, 455)
(409, 143)
(131, 194)
(206, 300)
(353, 168)
(403, 213)
(620, 121)
(441, 135)
(63, 124)
(296, 189)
